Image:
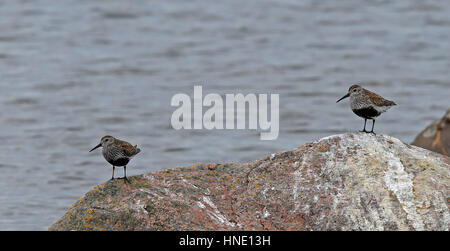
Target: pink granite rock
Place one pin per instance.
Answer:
(352, 181)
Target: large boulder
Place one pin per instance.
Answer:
(436, 137)
(353, 181)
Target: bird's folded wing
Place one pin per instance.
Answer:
(128, 149)
(378, 100)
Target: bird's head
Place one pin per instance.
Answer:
(104, 142)
(352, 91)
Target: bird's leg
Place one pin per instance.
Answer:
(364, 130)
(113, 173)
(373, 125)
(125, 173)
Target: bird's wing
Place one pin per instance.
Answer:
(378, 100)
(128, 149)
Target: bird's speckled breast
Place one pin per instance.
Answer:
(114, 155)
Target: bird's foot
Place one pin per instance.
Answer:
(364, 131)
(372, 132)
(125, 179)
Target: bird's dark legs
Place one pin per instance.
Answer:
(373, 125)
(364, 130)
(125, 173)
(113, 173)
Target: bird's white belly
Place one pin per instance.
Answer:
(381, 109)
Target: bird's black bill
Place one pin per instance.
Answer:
(99, 145)
(346, 96)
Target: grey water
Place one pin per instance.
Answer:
(74, 71)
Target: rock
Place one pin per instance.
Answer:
(353, 181)
(436, 137)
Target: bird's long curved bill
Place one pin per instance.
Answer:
(346, 96)
(97, 146)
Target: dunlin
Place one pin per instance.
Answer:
(366, 104)
(117, 152)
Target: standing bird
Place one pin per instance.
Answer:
(117, 152)
(366, 104)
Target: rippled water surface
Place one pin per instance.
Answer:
(73, 71)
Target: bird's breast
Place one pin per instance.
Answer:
(112, 153)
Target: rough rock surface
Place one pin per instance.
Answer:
(436, 137)
(352, 181)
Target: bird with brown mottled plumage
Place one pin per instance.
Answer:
(117, 152)
(367, 104)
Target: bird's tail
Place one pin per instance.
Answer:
(138, 150)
